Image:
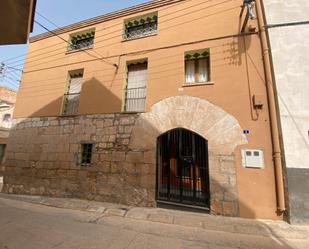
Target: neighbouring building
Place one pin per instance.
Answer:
(16, 18)
(7, 101)
(287, 23)
(161, 103)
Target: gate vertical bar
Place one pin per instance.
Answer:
(169, 168)
(194, 163)
(180, 164)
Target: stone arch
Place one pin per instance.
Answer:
(220, 128)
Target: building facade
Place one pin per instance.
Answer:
(19, 18)
(7, 102)
(164, 102)
(288, 29)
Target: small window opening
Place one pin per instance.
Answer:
(135, 92)
(72, 94)
(86, 153)
(7, 117)
(141, 26)
(197, 66)
(2, 151)
(81, 40)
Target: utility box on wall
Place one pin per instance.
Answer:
(252, 158)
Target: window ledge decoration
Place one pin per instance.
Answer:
(197, 66)
(199, 54)
(141, 26)
(198, 84)
(81, 40)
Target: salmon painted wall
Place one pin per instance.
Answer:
(236, 75)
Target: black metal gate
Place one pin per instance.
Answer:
(182, 163)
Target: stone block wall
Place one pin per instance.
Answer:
(223, 188)
(43, 158)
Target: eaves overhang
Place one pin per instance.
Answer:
(107, 17)
(16, 18)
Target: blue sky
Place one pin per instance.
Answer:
(61, 12)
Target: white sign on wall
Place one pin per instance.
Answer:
(252, 158)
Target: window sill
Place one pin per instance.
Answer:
(77, 50)
(85, 164)
(68, 115)
(133, 112)
(198, 84)
(140, 37)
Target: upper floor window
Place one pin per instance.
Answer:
(81, 40)
(197, 66)
(135, 95)
(141, 26)
(6, 117)
(72, 94)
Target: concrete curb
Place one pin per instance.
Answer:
(267, 228)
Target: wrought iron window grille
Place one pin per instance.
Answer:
(140, 31)
(81, 40)
(81, 44)
(86, 154)
(71, 103)
(135, 99)
(141, 26)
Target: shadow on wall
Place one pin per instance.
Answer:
(93, 96)
(42, 156)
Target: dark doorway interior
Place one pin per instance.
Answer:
(182, 169)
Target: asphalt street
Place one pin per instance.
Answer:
(25, 225)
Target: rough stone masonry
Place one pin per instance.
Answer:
(43, 158)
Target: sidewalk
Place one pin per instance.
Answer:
(266, 228)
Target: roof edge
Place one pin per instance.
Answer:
(106, 17)
(8, 89)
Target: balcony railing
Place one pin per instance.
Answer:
(71, 104)
(135, 99)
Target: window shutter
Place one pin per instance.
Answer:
(136, 87)
(190, 71)
(203, 70)
(75, 85)
(72, 96)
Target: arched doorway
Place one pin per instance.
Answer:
(182, 168)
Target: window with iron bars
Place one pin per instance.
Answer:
(135, 93)
(141, 26)
(72, 94)
(86, 153)
(81, 40)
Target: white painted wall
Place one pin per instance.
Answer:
(290, 51)
(3, 123)
(280, 11)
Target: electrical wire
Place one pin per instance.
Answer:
(11, 75)
(105, 28)
(116, 31)
(14, 73)
(107, 62)
(53, 84)
(107, 45)
(10, 81)
(144, 51)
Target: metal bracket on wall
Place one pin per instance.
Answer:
(250, 13)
